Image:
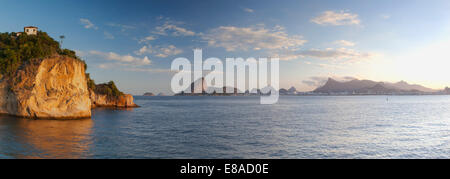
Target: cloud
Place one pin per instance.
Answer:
(108, 35)
(317, 81)
(249, 10)
(122, 59)
(172, 28)
(336, 18)
(252, 38)
(88, 24)
(159, 51)
(344, 43)
(336, 54)
(385, 16)
(150, 70)
(146, 39)
(350, 55)
(122, 27)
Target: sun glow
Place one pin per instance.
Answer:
(428, 65)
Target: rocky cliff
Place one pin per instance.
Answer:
(54, 87)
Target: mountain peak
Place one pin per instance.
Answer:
(292, 89)
(331, 79)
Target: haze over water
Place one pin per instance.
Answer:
(239, 127)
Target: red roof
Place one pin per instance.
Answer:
(31, 27)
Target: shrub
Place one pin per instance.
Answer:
(108, 89)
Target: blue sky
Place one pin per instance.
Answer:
(134, 42)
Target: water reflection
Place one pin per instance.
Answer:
(44, 138)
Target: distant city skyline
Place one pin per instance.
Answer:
(134, 43)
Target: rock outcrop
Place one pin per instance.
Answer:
(54, 87)
(148, 94)
(101, 100)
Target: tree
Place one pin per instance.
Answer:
(62, 37)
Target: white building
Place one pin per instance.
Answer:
(30, 30)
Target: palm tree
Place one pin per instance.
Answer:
(62, 37)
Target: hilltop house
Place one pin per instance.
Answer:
(29, 30)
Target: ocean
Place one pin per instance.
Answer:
(239, 127)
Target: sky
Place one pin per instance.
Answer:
(134, 42)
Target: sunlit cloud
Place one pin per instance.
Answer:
(336, 18)
(159, 51)
(317, 81)
(88, 24)
(147, 39)
(344, 43)
(344, 54)
(385, 16)
(172, 28)
(150, 70)
(252, 38)
(108, 35)
(249, 10)
(123, 59)
(339, 53)
(122, 27)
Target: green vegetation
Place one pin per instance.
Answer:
(108, 89)
(90, 82)
(14, 51)
(17, 50)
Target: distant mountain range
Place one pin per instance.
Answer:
(200, 88)
(370, 87)
(331, 87)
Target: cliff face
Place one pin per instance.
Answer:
(54, 87)
(50, 88)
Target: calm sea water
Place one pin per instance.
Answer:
(239, 127)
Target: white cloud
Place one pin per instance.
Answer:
(344, 43)
(339, 53)
(336, 18)
(317, 81)
(123, 59)
(252, 38)
(150, 70)
(171, 27)
(146, 39)
(108, 35)
(159, 51)
(350, 55)
(108, 65)
(385, 16)
(122, 27)
(88, 24)
(249, 10)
